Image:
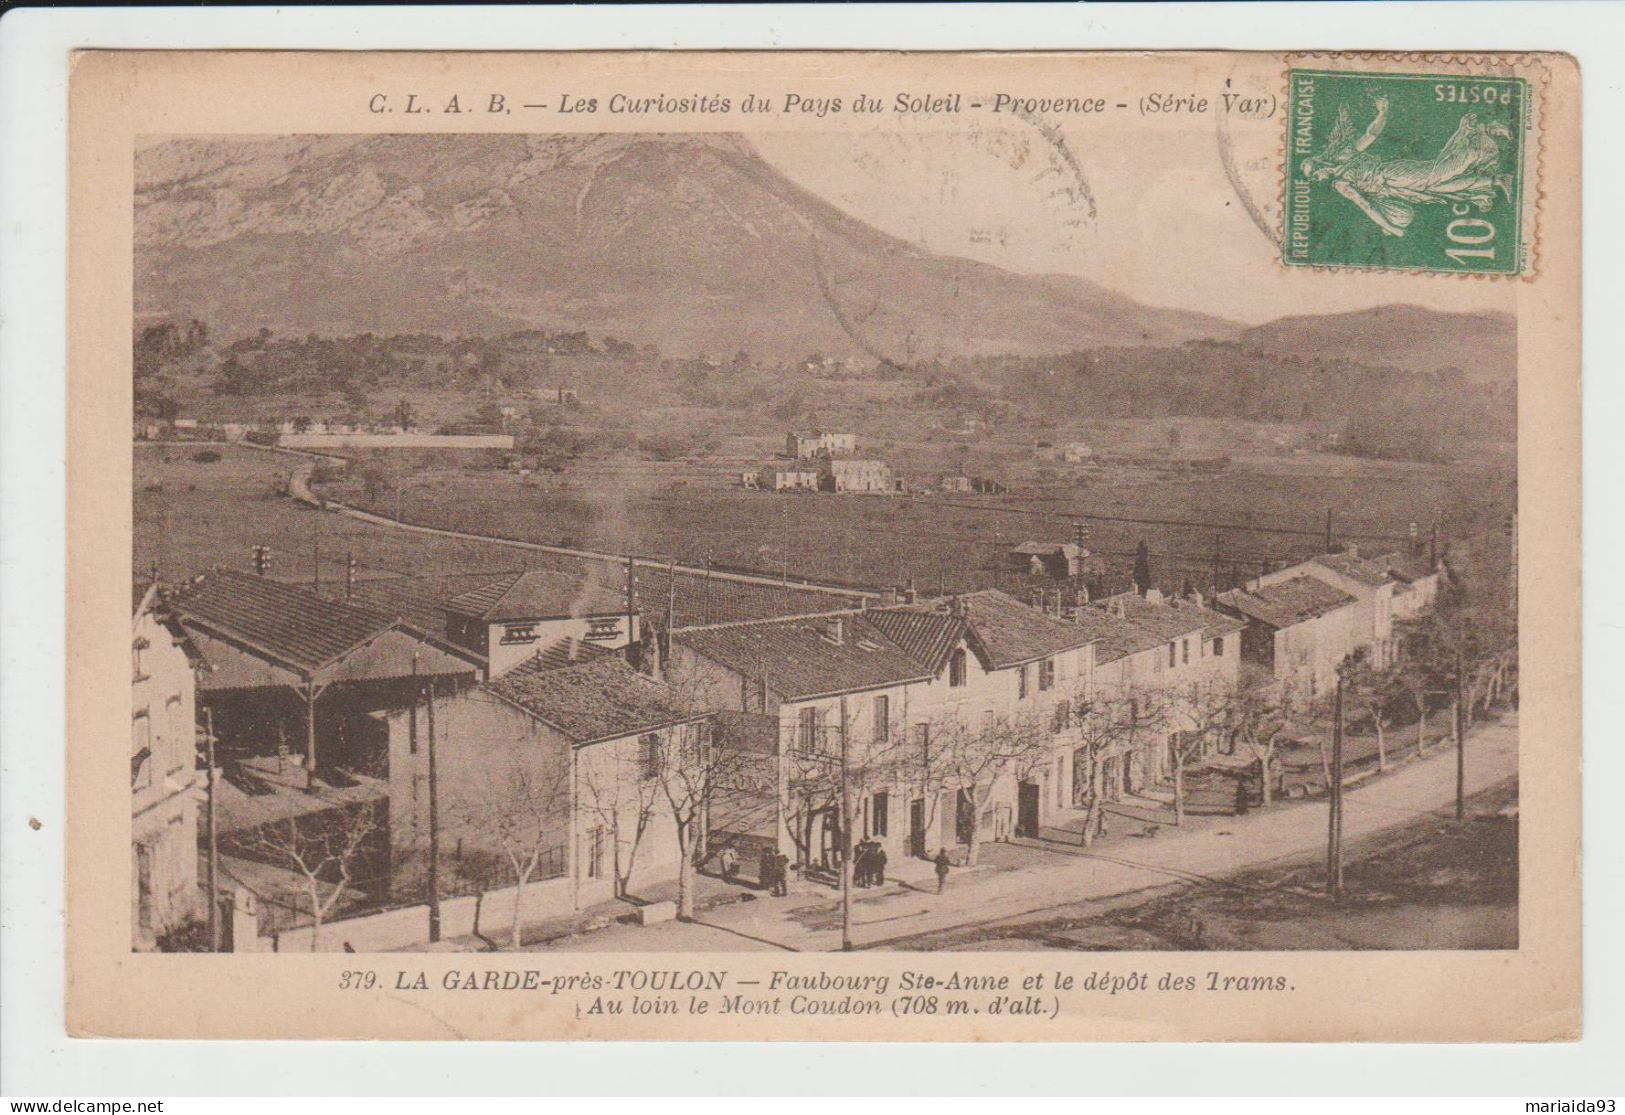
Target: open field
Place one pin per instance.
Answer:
(1265, 508)
(191, 515)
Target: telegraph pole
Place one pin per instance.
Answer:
(846, 841)
(1461, 747)
(214, 847)
(1334, 835)
(315, 556)
(349, 575)
(434, 825)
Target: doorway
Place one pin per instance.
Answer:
(1027, 810)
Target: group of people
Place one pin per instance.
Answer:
(773, 872)
(868, 864)
(868, 867)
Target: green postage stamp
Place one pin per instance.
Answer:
(1414, 172)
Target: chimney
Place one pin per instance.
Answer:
(1352, 550)
(835, 630)
(1197, 598)
(1153, 596)
(1117, 608)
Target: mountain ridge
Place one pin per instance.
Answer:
(690, 242)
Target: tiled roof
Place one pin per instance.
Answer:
(926, 636)
(1366, 571)
(1011, 632)
(1287, 603)
(567, 652)
(539, 594)
(1145, 624)
(600, 699)
(1067, 548)
(695, 600)
(419, 601)
(289, 624)
(796, 659)
(1405, 568)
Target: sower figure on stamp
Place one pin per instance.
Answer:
(1387, 190)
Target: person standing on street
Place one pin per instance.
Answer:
(877, 865)
(729, 861)
(781, 875)
(942, 869)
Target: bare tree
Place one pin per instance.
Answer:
(1262, 718)
(529, 822)
(325, 850)
(625, 800)
(971, 760)
(1208, 710)
(691, 770)
(1102, 729)
(1374, 691)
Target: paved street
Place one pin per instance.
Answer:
(1024, 880)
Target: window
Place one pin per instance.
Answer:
(882, 719)
(1218, 647)
(877, 814)
(649, 756)
(1021, 684)
(1172, 652)
(181, 748)
(136, 648)
(1063, 716)
(143, 882)
(810, 729)
(990, 720)
(922, 740)
(1185, 651)
(956, 668)
(1046, 674)
(595, 853)
(142, 761)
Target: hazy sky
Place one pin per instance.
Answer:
(1167, 227)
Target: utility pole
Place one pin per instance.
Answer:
(1461, 747)
(315, 556)
(434, 824)
(349, 575)
(632, 602)
(1334, 835)
(214, 847)
(846, 841)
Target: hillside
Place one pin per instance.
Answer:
(691, 243)
(1483, 345)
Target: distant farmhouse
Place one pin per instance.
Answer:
(1054, 559)
(819, 443)
(854, 474)
(824, 462)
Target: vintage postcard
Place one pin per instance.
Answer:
(824, 546)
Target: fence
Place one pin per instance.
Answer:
(487, 915)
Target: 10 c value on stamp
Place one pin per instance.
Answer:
(1414, 172)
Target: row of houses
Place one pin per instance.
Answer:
(605, 724)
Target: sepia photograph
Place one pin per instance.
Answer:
(822, 546)
(739, 541)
